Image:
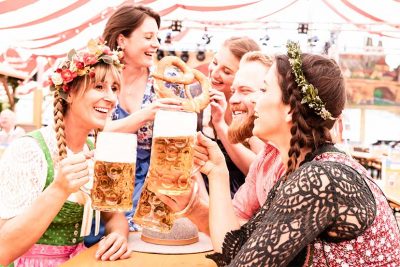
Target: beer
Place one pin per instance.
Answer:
(113, 186)
(114, 172)
(171, 160)
(151, 213)
(171, 165)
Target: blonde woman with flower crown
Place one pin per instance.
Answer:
(326, 210)
(40, 174)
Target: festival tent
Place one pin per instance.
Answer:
(49, 28)
(34, 33)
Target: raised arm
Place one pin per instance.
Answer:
(240, 155)
(314, 199)
(136, 120)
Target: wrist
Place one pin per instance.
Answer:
(57, 190)
(218, 174)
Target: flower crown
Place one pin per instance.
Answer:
(309, 92)
(82, 63)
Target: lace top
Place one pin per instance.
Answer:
(326, 213)
(23, 172)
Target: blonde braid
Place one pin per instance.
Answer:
(96, 132)
(59, 125)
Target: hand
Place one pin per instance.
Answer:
(162, 103)
(113, 247)
(208, 155)
(73, 172)
(218, 105)
(177, 203)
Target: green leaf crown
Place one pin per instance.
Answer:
(309, 92)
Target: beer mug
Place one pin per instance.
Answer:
(152, 213)
(114, 171)
(171, 160)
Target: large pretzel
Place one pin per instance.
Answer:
(190, 103)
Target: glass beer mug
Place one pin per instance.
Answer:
(152, 213)
(114, 171)
(171, 161)
(171, 168)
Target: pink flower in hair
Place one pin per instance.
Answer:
(80, 65)
(107, 50)
(89, 59)
(67, 75)
(66, 88)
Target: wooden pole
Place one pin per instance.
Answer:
(7, 89)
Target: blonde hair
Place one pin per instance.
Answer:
(257, 56)
(241, 45)
(79, 86)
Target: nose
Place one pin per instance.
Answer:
(213, 72)
(156, 43)
(110, 95)
(235, 98)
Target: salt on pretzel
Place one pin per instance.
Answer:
(190, 103)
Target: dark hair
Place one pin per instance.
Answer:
(125, 20)
(241, 45)
(309, 130)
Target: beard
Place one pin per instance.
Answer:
(241, 129)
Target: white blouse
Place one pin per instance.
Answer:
(23, 172)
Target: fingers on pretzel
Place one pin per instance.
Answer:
(195, 104)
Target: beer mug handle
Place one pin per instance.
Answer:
(193, 197)
(195, 170)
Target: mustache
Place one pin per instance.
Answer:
(241, 129)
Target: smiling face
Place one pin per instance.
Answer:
(90, 109)
(222, 70)
(272, 115)
(248, 80)
(141, 45)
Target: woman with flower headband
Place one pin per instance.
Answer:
(326, 210)
(134, 30)
(41, 212)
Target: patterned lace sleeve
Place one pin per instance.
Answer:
(23, 171)
(321, 199)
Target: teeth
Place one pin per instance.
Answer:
(238, 112)
(104, 110)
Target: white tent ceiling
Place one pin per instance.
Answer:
(50, 28)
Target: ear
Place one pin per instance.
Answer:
(69, 98)
(121, 41)
(288, 117)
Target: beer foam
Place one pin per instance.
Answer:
(169, 123)
(116, 147)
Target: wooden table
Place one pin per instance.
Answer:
(88, 259)
(392, 192)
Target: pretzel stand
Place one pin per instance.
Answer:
(171, 162)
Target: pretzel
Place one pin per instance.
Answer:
(190, 103)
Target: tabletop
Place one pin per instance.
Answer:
(87, 258)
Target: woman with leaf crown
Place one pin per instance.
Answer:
(326, 210)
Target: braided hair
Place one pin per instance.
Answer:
(308, 129)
